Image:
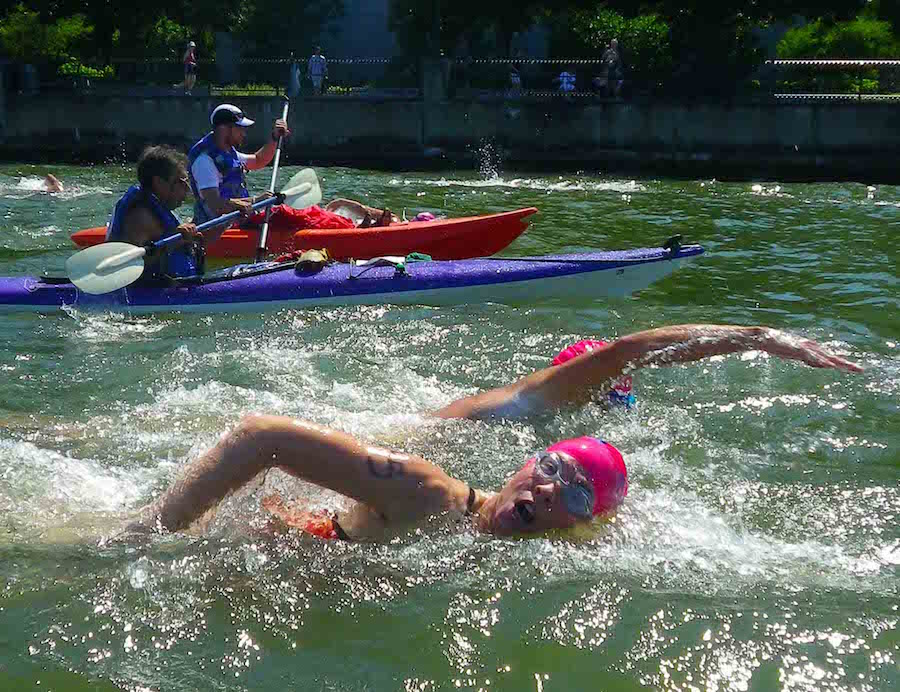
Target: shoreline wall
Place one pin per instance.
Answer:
(815, 140)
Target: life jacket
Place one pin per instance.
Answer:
(234, 181)
(177, 262)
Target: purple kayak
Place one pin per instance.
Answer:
(252, 288)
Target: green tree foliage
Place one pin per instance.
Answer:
(26, 38)
(275, 28)
(712, 46)
(643, 39)
(864, 37)
(167, 38)
(429, 27)
(860, 38)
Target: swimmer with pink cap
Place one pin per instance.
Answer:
(620, 394)
(571, 482)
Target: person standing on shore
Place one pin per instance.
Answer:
(317, 70)
(190, 67)
(613, 70)
(218, 170)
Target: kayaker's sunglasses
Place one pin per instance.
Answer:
(576, 490)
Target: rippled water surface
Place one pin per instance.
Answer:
(758, 547)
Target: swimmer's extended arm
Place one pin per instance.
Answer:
(573, 381)
(397, 486)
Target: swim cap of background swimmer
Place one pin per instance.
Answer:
(621, 391)
(604, 467)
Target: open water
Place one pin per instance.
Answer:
(758, 548)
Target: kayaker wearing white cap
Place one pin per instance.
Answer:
(218, 170)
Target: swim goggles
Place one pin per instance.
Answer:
(576, 490)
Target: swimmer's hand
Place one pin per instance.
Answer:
(319, 523)
(806, 350)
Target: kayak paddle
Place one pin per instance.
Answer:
(110, 266)
(264, 232)
(302, 190)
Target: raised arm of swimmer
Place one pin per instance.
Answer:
(574, 381)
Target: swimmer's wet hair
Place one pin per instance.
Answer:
(160, 160)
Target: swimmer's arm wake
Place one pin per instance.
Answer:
(394, 485)
(572, 382)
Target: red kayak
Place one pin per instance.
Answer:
(443, 239)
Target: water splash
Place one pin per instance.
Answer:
(488, 159)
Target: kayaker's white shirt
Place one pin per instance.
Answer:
(206, 174)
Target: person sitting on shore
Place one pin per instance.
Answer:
(566, 81)
(144, 215)
(567, 484)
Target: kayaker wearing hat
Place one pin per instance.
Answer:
(567, 484)
(144, 214)
(218, 170)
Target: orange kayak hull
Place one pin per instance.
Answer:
(443, 239)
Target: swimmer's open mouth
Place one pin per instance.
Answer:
(525, 510)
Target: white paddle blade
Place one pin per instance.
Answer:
(106, 267)
(302, 190)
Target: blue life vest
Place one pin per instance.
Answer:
(234, 183)
(177, 262)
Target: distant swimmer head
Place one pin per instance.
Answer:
(621, 390)
(569, 483)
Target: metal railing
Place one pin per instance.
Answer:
(876, 81)
(487, 79)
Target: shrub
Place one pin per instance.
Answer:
(73, 68)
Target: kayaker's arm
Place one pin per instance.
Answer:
(266, 153)
(398, 487)
(219, 206)
(140, 227)
(574, 381)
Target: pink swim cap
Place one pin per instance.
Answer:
(621, 386)
(584, 346)
(603, 465)
(424, 216)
